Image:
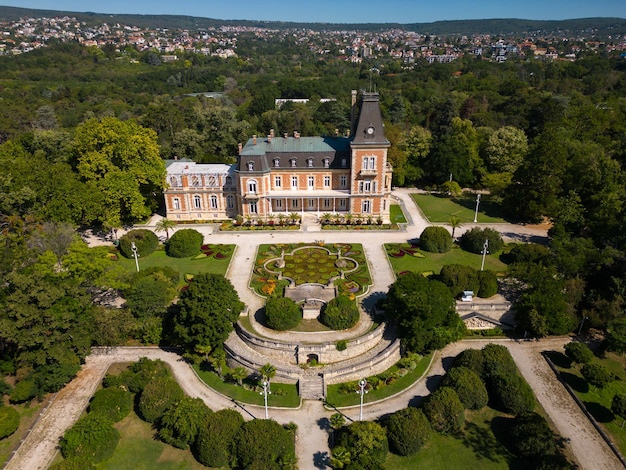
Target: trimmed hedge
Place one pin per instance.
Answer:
(184, 243)
(340, 313)
(436, 240)
(9, 421)
(444, 410)
(157, 396)
(114, 403)
(474, 240)
(468, 386)
(488, 284)
(511, 393)
(407, 431)
(93, 437)
(578, 352)
(145, 240)
(282, 313)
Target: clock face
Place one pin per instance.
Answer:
(370, 130)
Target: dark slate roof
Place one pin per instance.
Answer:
(265, 151)
(370, 117)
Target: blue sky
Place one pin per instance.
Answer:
(345, 11)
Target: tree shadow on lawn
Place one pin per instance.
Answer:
(600, 412)
(484, 444)
(577, 383)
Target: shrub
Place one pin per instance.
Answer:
(531, 436)
(407, 431)
(445, 411)
(340, 313)
(436, 240)
(341, 345)
(497, 361)
(473, 359)
(468, 386)
(9, 421)
(474, 240)
(527, 253)
(182, 421)
(4, 386)
(92, 437)
(184, 243)
(282, 313)
(578, 352)
(262, 444)
(459, 277)
(215, 444)
(114, 403)
(511, 393)
(488, 284)
(145, 242)
(138, 375)
(23, 391)
(367, 443)
(157, 396)
(596, 374)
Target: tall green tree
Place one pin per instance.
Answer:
(208, 310)
(122, 160)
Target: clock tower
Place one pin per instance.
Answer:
(371, 173)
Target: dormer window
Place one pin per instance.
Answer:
(276, 162)
(250, 166)
(195, 181)
(326, 162)
(294, 162)
(309, 162)
(344, 163)
(174, 182)
(229, 181)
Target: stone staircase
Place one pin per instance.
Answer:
(312, 385)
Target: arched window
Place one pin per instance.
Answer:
(195, 181)
(174, 181)
(294, 162)
(230, 201)
(326, 162)
(213, 201)
(252, 186)
(229, 181)
(250, 166)
(309, 162)
(176, 203)
(197, 202)
(277, 162)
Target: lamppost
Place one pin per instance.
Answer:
(476, 211)
(362, 392)
(265, 393)
(485, 251)
(135, 255)
(581, 325)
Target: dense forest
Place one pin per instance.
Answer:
(84, 131)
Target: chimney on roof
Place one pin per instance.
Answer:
(272, 132)
(240, 146)
(296, 134)
(336, 132)
(254, 139)
(285, 135)
(269, 138)
(353, 110)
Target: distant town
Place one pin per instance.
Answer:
(30, 33)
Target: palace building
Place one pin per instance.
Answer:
(291, 173)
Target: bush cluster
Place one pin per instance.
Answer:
(184, 243)
(282, 313)
(93, 437)
(474, 240)
(340, 313)
(214, 446)
(145, 241)
(436, 240)
(157, 396)
(407, 431)
(578, 352)
(9, 421)
(469, 387)
(113, 403)
(459, 278)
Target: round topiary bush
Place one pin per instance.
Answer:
(407, 431)
(578, 352)
(468, 386)
(157, 396)
(340, 313)
(214, 446)
(282, 313)
(184, 243)
(9, 421)
(512, 394)
(145, 241)
(474, 240)
(114, 403)
(436, 240)
(92, 437)
(488, 284)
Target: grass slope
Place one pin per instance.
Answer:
(439, 209)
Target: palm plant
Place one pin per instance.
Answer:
(455, 223)
(238, 374)
(267, 371)
(165, 225)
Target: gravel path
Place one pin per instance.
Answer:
(39, 448)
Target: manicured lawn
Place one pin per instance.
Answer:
(283, 395)
(339, 395)
(138, 450)
(425, 262)
(439, 209)
(209, 264)
(598, 401)
(476, 448)
(396, 215)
